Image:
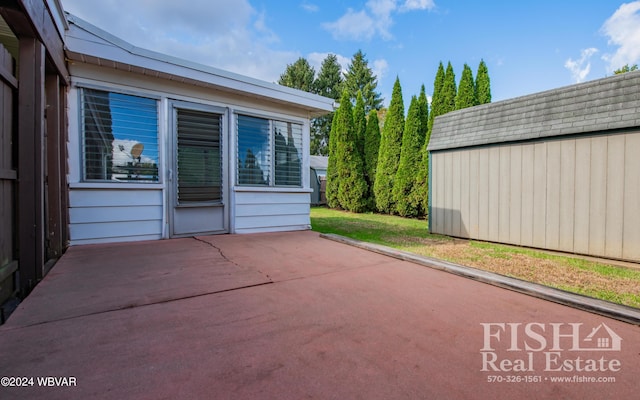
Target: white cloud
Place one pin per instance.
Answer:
(352, 25)
(315, 60)
(229, 35)
(309, 7)
(380, 68)
(375, 19)
(623, 30)
(580, 68)
(410, 5)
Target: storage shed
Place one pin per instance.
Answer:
(161, 147)
(318, 175)
(556, 170)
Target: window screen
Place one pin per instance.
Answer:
(120, 137)
(199, 156)
(269, 152)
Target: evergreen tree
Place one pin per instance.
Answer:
(359, 123)
(389, 153)
(371, 147)
(626, 68)
(483, 84)
(299, 75)
(333, 182)
(466, 96)
(352, 187)
(359, 77)
(436, 97)
(419, 196)
(449, 91)
(410, 156)
(329, 84)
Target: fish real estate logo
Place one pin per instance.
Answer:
(535, 347)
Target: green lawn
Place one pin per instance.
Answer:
(573, 274)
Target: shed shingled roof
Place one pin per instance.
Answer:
(599, 105)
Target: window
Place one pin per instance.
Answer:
(269, 152)
(120, 137)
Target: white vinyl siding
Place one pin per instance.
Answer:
(271, 211)
(115, 215)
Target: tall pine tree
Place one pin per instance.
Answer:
(410, 156)
(299, 75)
(371, 148)
(328, 84)
(352, 187)
(437, 98)
(389, 154)
(419, 196)
(483, 84)
(333, 182)
(466, 96)
(359, 123)
(449, 91)
(359, 77)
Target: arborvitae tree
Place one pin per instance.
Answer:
(466, 96)
(359, 123)
(483, 84)
(423, 110)
(359, 77)
(449, 91)
(299, 75)
(389, 154)
(412, 142)
(419, 196)
(352, 187)
(333, 182)
(371, 147)
(436, 97)
(329, 84)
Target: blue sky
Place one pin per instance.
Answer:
(528, 46)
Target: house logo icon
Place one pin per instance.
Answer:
(602, 338)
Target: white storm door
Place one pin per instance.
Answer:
(198, 176)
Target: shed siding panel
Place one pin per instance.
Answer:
(615, 196)
(474, 162)
(440, 192)
(448, 193)
(465, 187)
(271, 211)
(539, 195)
(554, 172)
(456, 180)
(504, 194)
(515, 198)
(631, 247)
(582, 196)
(598, 200)
(483, 195)
(527, 194)
(494, 192)
(114, 215)
(567, 194)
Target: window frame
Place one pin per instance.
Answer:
(272, 153)
(83, 180)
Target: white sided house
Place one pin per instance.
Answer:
(160, 147)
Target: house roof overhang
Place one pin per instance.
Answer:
(89, 44)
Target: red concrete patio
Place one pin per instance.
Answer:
(293, 316)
